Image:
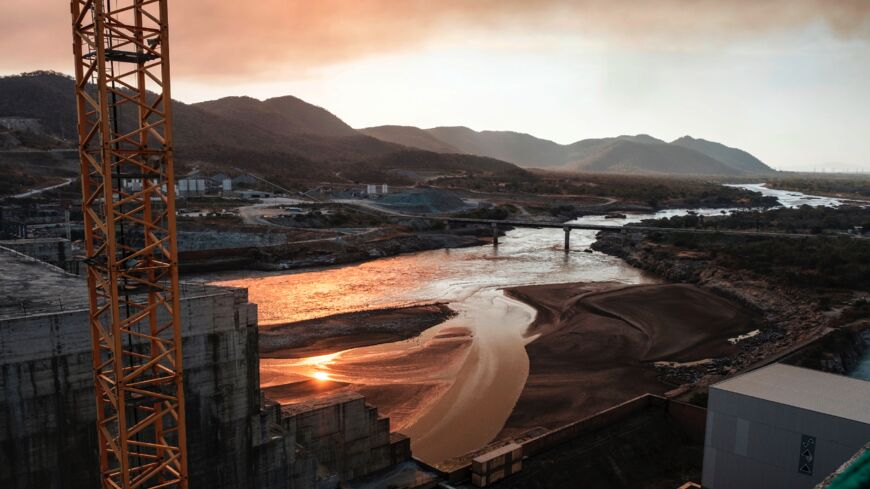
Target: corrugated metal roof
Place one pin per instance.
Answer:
(821, 392)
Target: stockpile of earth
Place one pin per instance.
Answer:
(423, 201)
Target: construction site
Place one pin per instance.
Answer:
(114, 373)
(214, 329)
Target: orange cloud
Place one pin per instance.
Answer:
(235, 38)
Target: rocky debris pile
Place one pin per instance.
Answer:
(839, 352)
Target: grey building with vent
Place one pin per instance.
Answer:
(783, 427)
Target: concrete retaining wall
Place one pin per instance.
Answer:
(690, 418)
(56, 251)
(47, 407)
(346, 436)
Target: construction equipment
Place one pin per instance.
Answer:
(121, 53)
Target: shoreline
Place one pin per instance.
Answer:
(339, 332)
(791, 316)
(329, 253)
(598, 344)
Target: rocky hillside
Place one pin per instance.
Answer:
(624, 156)
(281, 115)
(515, 147)
(282, 136)
(42, 95)
(412, 137)
(733, 157)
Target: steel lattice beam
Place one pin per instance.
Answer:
(121, 53)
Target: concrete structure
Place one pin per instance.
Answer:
(237, 438)
(497, 464)
(633, 228)
(783, 427)
(132, 184)
(347, 437)
(644, 442)
(187, 187)
(56, 251)
(47, 407)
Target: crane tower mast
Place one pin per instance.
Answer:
(121, 50)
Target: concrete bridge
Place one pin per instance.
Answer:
(567, 227)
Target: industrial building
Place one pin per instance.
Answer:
(783, 427)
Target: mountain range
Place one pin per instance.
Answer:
(288, 136)
(623, 154)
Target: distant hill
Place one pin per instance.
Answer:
(515, 147)
(733, 157)
(281, 115)
(412, 137)
(640, 153)
(42, 95)
(581, 150)
(626, 156)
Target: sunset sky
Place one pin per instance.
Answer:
(788, 80)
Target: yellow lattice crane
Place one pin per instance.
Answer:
(121, 53)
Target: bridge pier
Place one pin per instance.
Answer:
(567, 239)
(494, 234)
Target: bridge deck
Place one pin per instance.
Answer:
(630, 228)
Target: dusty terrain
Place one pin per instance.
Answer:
(793, 316)
(599, 343)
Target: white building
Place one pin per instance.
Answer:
(783, 427)
(190, 186)
(132, 184)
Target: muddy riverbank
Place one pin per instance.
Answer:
(324, 252)
(793, 316)
(598, 344)
(331, 334)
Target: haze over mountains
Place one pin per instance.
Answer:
(624, 154)
(289, 135)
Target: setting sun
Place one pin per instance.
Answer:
(321, 375)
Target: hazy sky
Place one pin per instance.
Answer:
(788, 80)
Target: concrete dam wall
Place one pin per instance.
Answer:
(236, 437)
(47, 409)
